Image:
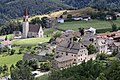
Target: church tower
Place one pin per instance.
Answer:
(41, 32)
(25, 25)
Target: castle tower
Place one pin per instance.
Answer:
(25, 25)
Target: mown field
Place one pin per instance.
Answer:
(98, 24)
(30, 41)
(9, 60)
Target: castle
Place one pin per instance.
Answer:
(29, 30)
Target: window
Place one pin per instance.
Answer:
(66, 54)
(74, 55)
(81, 54)
(74, 59)
(81, 59)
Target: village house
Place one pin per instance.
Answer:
(60, 20)
(92, 30)
(101, 46)
(77, 18)
(108, 17)
(69, 52)
(67, 35)
(117, 14)
(84, 17)
(30, 30)
(6, 43)
(17, 34)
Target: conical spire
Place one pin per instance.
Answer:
(25, 12)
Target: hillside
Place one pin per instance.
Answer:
(10, 9)
(14, 8)
(111, 4)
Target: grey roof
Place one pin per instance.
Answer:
(117, 43)
(34, 28)
(86, 43)
(34, 56)
(70, 47)
(64, 58)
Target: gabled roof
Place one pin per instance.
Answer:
(34, 28)
(70, 47)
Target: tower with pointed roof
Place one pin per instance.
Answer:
(25, 24)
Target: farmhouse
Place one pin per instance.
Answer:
(108, 17)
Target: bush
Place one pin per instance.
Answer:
(12, 52)
(104, 30)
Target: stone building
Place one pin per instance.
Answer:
(69, 52)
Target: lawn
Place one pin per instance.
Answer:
(44, 77)
(9, 60)
(30, 41)
(98, 24)
(8, 36)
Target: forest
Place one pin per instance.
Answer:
(100, 69)
(10, 9)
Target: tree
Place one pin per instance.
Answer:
(5, 69)
(114, 17)
(44, 22)
(81, 30)
(36, 21)
(69, 17)
(1, 69)
(6, 38)
(33, 63)
(22, 73)
(113, 71)
(115, 52)
(101, 77)
(45, 66)
(102, 56)
(91, 49)
(12, 52)
(114, 27)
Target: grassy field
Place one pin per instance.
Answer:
(8, 36)
(98, 24)
(44, 77)
(30, 41)
(9, 60)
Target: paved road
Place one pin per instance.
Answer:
(40, 73)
